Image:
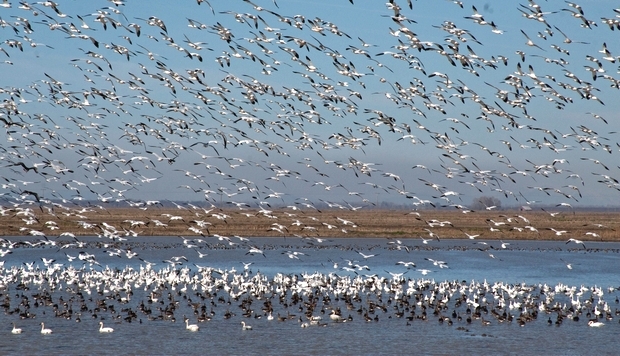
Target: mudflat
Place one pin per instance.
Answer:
(427, 224)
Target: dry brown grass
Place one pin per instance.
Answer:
(370, 223)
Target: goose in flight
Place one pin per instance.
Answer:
(568, 265)
(294, 254)
(558, 232)
(397, 275)
(577, 242)
(530, 42)
(432, 235)
(366, 256)
(441, 264)
(425, 241)
(406, 264)
(471, 237)
(255, 250)
(200, 254)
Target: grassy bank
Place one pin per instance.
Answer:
(531, 225)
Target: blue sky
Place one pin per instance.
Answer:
(288, 149)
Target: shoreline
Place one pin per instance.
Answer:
(327, 223)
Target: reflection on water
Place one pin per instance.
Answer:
(522, 291)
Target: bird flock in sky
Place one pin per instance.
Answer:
(250, 104)
(244, 109)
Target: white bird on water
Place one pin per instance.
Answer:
(16, 330)
(595, 324)
(245, 327)
(334, 316)
(45, 331)
(103, 329)
(191, 327)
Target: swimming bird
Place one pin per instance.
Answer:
(191, 327)
(103, 329)
(245, 327)
(45, 331)
(595, 324)
(16, 330)
(335, 316)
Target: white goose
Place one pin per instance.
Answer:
(104, 329)
(334, 316)
(595, 324)
(245, 327)
(192, 327)
(16, 330)
(45, 331)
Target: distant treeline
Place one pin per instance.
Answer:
(329, 206)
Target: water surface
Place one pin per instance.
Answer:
(536, 266)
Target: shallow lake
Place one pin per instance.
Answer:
(384, 307)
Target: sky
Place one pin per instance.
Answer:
(297, 102)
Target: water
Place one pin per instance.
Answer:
(522, 263)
